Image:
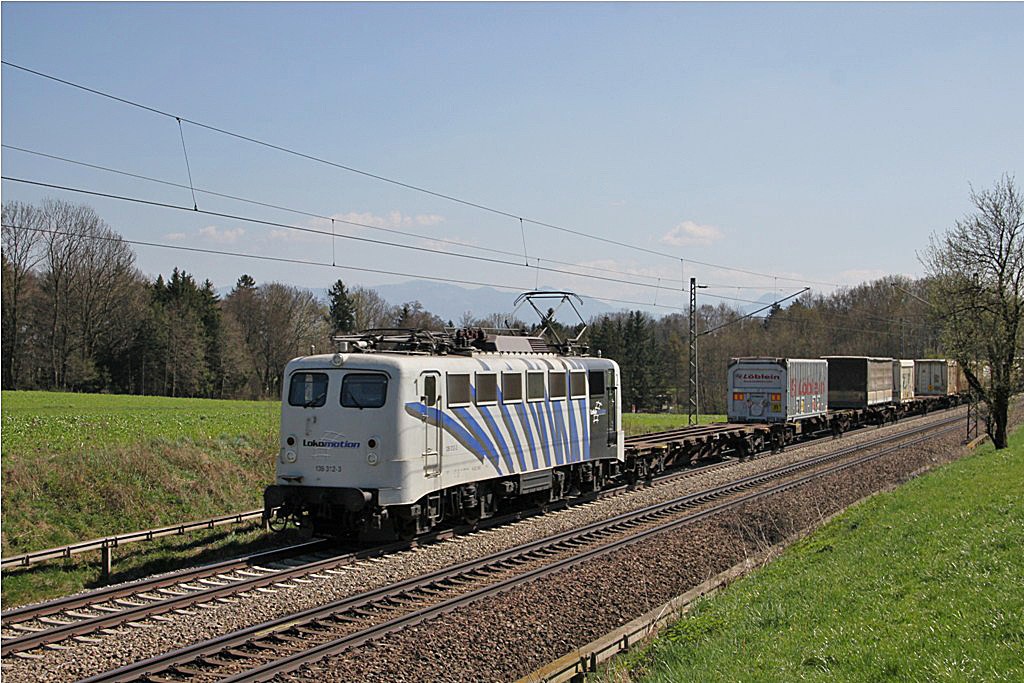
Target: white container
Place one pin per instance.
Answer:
(938, 377)
(903, 380)
(777, 389)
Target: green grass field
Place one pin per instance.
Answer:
(79, 466)
(51, 422)
(645, 423)
(922, 584)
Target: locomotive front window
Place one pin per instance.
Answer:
(597, 383)
(364, 391)
(308, 389)
(578, 384)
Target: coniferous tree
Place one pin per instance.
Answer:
(342, 313)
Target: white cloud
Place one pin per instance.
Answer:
(690, 234)
(429, 219)
(352, 222)
(221, 236)
(394, 219)
(442, 242)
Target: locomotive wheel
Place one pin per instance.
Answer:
(405, 526)
(471, 515)
(277, 524)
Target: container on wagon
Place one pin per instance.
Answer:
(903, 380)
(777, 389)
(938, 377)
(859, 381)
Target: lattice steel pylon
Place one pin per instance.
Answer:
(693, 409)
(973, 413)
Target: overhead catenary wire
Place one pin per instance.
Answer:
(377, 271)
(306, 262)
(392, 181)
(862, 330)
(313, 214)
(188, 166)
(753, 313)
(276, 224)
(315, 231)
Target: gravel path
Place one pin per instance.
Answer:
(130, 644)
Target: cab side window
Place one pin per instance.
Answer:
(556, 385)
(459, 392)
(578, 384)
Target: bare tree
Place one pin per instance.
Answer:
(276, 323)
(21, 254)
(978, 272)
(371, 309)
(87, 269)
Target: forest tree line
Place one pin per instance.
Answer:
(78, 315)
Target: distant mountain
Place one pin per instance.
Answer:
(449, 301)
(764, 300)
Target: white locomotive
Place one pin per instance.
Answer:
(401, 430)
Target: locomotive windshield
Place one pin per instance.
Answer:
(308, 389)
(364, 390)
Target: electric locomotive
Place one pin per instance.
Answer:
(402, 430)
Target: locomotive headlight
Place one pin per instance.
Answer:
(372, 458)
(290, 456)
(337, 360)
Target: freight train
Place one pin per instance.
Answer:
(401, 431)
(838, 392)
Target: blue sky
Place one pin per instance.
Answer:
(818, 142)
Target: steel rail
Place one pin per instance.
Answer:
(171, 602)
(33, 611)
(527, 552)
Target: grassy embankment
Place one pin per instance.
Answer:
(922, 584)
(79, 466)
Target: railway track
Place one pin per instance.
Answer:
(77, 616)
(87, 615)
(286, 644)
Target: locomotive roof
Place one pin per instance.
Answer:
(462, 342)
(482, 361)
